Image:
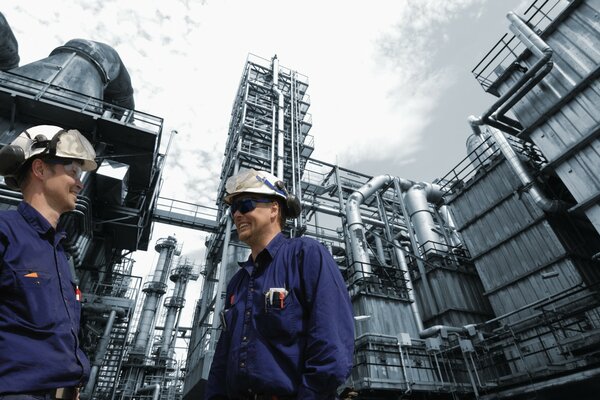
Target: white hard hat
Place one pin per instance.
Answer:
(253, 181)
(50, 140)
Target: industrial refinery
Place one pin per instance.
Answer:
(482, 284)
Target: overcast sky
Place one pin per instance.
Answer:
(389, 80)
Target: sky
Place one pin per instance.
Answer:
(389, 80)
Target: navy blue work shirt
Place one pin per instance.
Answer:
(299, 343)
(39, 311)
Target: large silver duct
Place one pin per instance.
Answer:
(9, 47)
(356, 228)
(154, 289)
(418, 197)
(513, 160)
(86, 67)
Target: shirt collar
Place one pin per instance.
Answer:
(37, 220)
(268, 252)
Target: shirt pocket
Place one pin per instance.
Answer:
(31, 278)
(36, 298)
(278, 322)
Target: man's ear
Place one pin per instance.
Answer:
(37, 168)
(275, 209)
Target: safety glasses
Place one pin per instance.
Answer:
(72, 167)
(246, 205)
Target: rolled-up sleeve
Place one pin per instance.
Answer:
(330, 334)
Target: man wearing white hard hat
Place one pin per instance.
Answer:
(287, 325)
(40, 357)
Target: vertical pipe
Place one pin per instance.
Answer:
(409, 285)
(280, 133)
(422, 219)
(295, 168)
(408, 388)
(275, 73)
(356, 227)
(379, 250)
(429, 299)
(100, 352)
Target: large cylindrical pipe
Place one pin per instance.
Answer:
(418, 198)
(513, 160)
(356, 228)
(533, 75)
(87, 67)
(409, 286)
(9, 47)
(100, 352)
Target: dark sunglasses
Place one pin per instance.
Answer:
(246, 205)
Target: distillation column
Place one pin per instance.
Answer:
(181, 275)
(154, 290)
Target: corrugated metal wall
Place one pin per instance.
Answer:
(561, 114)
(514, 245)
(458, 297)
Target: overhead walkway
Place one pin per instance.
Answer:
(187, 215)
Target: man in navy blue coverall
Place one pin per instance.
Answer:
(40, 358)
(288, 329)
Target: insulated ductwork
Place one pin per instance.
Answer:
(356, 229)
(519, 169)
(9, 48)
(418, 197)
(90, 68)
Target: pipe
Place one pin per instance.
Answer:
(429, 298)
(443, 330)
(275, 73)
(406, 380)
(409, 286)
(356, 228)
(280, 132)
(106, 60)
(539, 48)
(293, 136)
(280, 119)
(418, 198)
(155, 389)
(445, 215)
(9, 47)
(100, 352)
(513, 160)
(379, 249)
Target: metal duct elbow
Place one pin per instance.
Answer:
(118, 89)
(443, 330)
(354, 219)
(528, 37)
(517, 166)
(357, 198)
(9, 47)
